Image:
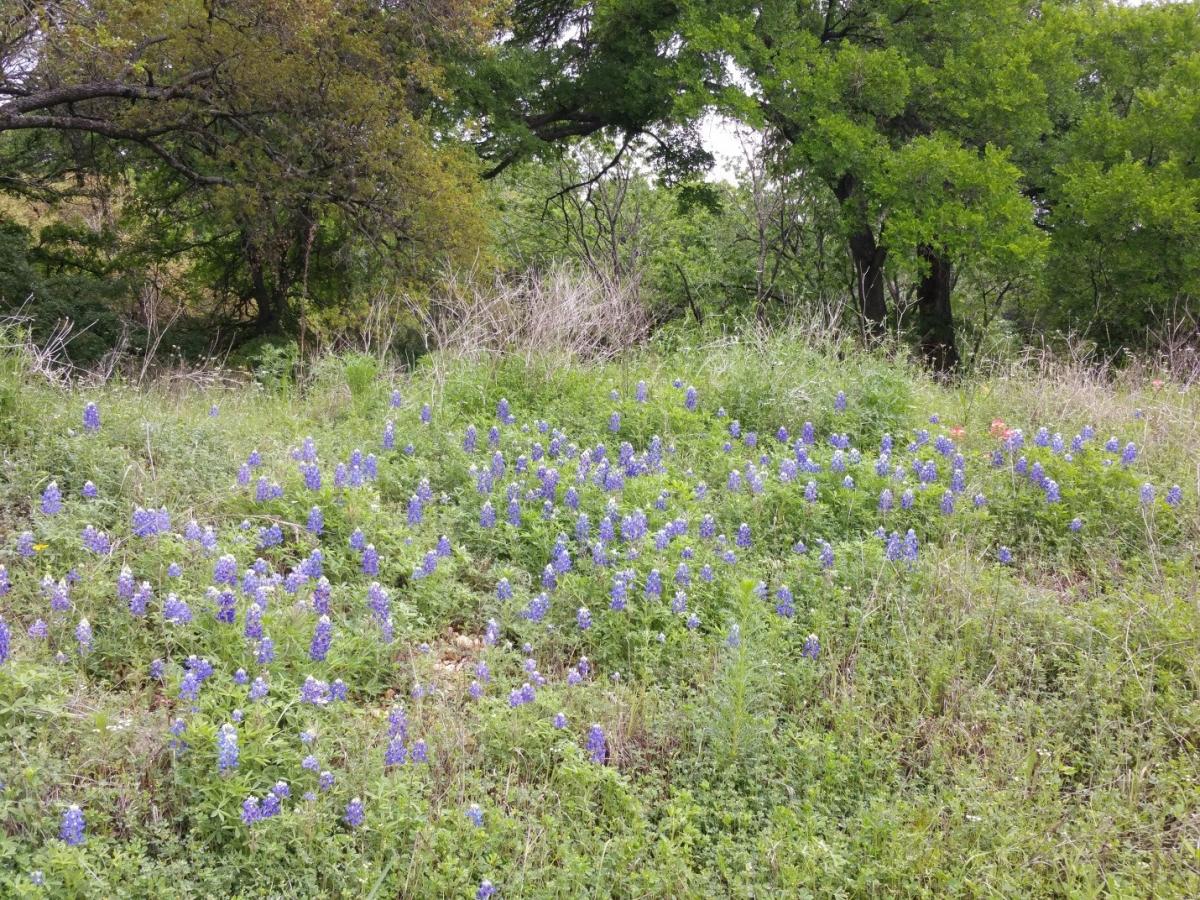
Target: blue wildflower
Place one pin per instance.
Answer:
(51, 499)
(91, 418)
(227, 748)
(321, 639)
(71, 830)
(596, 745)
(812, 647)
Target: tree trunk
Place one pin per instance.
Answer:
(935, 318)
(867, 259)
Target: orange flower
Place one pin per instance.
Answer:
(999, 429)
(1157, 384)
(957, 432)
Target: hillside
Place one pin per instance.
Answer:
(727, 620)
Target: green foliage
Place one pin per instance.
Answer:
(966, 727)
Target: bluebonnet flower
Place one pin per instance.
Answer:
(428, 565)
(321, 595)
(735, 636)
(354, 813)
(51, 499)
(89, 491)
(492, 633)
(157, 669)
(812, 647)
(486, 890)
(37, 877)
(596, 745)
(1147, 494)
(96, 541)
(71, 830)
(743, 536)
(906, 499)
(265, 651)
(325, 780)
(398, 723)
(654, 584)
(503, 590)
(826, 557)
(810, 492)
(416, 510)
(839, 402)
(91, 418)
(560, 720)
(979, 501)
(176, 611)
(513, 514)
(252, 630)
(503, 412)
(370, 560)
(1076, 524)
(225, 570)
(5, 585)
(227, 748)
(1004, 555)
(894, 549)
(5, 639)
(321, 639)
(784, 605)
(1052, 492)
(475, 814)
(690, 399)
(1129, 454)
(947, 502)
(25, 544)
(251, 811)
(269, 536)
(426, 414)
(59, 592)
(537, 608)
(83, 636)
(395, 400)
(396, 753)
(958, 481)
(272, 806)
(314, 692)
(614, 421)
(420, 752)
(1174, 495)
(259, 689)
(522, 695)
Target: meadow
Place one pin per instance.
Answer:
(744, 618)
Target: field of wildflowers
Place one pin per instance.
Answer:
(725, 621)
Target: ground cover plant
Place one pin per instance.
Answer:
(740, 619)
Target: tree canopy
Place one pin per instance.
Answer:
(1031, 161)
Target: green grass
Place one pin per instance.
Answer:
(967, 728)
